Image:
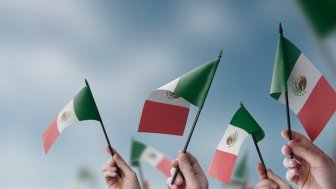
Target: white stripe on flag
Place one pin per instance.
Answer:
(232, 145)
(152, 156)
(166, 97)
(303, 67)
(66, 117)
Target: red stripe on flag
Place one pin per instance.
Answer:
(163, 118)
(318, 109)
(164, 166)
(222, 166)
(50, 135)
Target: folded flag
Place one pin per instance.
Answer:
(310, 95)
(166, 109)
(141, 151)
(81, 107)
(240, 127)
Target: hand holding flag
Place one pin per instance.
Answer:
(310, 96)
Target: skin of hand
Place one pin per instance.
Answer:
(145, 185)
(118, 175)
(193, 175)
(310, 168)
(271, 181)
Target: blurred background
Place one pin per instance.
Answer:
(127, 49)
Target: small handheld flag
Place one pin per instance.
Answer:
(297, 83)
(166, 109)
(241, 126)
(209, 81)
(81, 107)
(141, 151)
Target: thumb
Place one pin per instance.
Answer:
(122, 165)
(185, 167)
(261, 172)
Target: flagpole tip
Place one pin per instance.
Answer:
(241, 103)
(280, 28)
(86, 82)
(220, 54)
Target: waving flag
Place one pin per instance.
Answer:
(166, 109)
(310, 95)
(81, 107)
(140, 151)
(240, 127)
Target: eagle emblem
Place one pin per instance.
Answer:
(65, 116)
(232, 139)
(171, 95)
(299, 85)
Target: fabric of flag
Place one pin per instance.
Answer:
(166, 109)
(310, 95)
(85, 179)
(140, 151)
(240, 173)
(321, 15)
(240, 127)
(81, 107)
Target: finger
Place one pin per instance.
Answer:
(185, 167)
(109, 173)
(287, 151)
(261, 171)
(292, 175)
(170, 186)
(194, 164)
(179, 179)
(107, 148)
(109, 168)
(290, 163)
(174, 163)
(266, 184)
(276, 179)
(122, 165)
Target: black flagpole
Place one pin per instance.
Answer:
(102, 124)
(194, 124)
(261, 158)
(257, 147)
(286, 97)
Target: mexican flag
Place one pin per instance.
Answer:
(166, 109)
(321, 16)
(140, 151)
(241, 126)
(81, 107)
(310, 95)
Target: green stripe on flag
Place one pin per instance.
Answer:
(244, 120)
(240, 173)
(286, 56)
(85, 106)
(194, 85)
(321, 14)
(136, 151)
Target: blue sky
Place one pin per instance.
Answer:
(126, 49)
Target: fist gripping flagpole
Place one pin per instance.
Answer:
(195, 122)
(102, 124)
